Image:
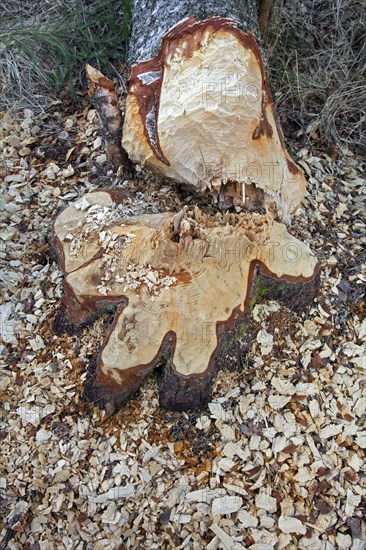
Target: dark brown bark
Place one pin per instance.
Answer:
(265, 7)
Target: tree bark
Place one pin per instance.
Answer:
(152, 19)
(198, 111)
(265, 7)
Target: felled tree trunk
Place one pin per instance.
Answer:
(198, 111)
(199, 108)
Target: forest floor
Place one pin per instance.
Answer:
(277, 461)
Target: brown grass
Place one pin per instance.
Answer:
(317, 55)
(316, 51)
(44, 47)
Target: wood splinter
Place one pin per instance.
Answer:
(105, 97)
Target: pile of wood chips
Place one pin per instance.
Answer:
(277, 462)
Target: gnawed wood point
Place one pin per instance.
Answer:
(201, 113)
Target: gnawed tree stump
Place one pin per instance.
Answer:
(181, 282)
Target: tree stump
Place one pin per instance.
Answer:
(180, 287)
(198, 111)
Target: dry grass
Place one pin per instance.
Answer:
(44, 47)
(317, 54)
(316, 49)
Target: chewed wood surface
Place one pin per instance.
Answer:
(176, 275)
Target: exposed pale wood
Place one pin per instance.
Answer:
(174, 296)
(201, 112)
